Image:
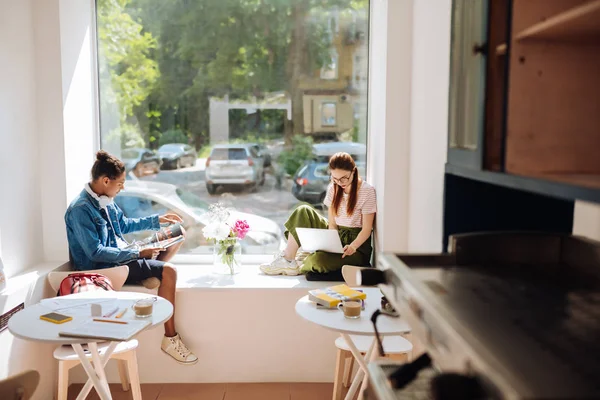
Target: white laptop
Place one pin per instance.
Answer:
(313, 239)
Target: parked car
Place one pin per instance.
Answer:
(234, 164)
(177, 155)
(141, 161)
(311, 180)
(143, 198)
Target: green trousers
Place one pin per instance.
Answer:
(305, 216)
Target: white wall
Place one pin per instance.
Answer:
(429, 123)
(408, 111)
(586, 221)
(389, 119)
(46, 129)
(20, 215)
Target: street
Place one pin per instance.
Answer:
(267, 201)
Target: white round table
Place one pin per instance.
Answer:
(27, 325)
(335, 321)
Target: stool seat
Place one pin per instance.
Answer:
(391, 344)
(66, 353)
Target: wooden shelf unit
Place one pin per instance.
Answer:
(581, 22)
(552, 117)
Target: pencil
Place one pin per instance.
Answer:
(119, 315)
(110, 320)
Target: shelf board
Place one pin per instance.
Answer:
(564, 186)
(581, 22)
(501, 49)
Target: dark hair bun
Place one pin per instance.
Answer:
(102, 156)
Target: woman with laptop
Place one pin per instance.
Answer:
(351, 204)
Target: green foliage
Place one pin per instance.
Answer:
(173, 136)
(127, 71)
(161, 61)
(127, 135)
(204, 152)
(291, 159)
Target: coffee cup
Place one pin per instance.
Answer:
(143, 308)
(351, 308)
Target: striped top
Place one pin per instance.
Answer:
(366, 203)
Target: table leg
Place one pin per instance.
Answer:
(371, 356)
(361, 373)
(88, 385)
(95, 372)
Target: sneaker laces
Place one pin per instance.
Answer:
(181, 348)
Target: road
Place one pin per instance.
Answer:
(268, 201)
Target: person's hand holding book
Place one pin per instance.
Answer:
(151, 253)
(170, 218)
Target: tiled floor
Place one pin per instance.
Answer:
(221, 391)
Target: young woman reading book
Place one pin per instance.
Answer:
(351, 204)
(95, 229)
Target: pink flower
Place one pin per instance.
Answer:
(241, 228)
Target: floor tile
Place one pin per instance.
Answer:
(257, 391)
(192, 391)
(149, 392)
(311, 391)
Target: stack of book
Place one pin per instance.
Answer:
(330, 297)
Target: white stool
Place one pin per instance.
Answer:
(393, 346)
(125, 354)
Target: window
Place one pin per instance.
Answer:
(210, 101)
(328, 114)
(330, 69)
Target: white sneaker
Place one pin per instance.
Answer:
(280, 266)
(174, 347)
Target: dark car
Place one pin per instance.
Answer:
(312, 178)
(177, 155)
(141, 161)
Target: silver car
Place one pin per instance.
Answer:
(143, 198)
(234, 165)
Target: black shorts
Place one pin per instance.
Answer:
(142, 269)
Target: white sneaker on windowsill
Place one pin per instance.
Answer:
(174, 347)
(280, 266)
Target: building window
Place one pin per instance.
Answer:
(210, 101)
(330, 69)
(328, 114)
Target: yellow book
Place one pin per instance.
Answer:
(333, 295)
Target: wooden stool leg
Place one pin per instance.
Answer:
(339, 372)
(63, 380)
(122, 365)
(348, 373)
(134, 377)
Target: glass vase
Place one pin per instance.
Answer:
(227, 257)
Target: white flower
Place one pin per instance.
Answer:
(216, 230)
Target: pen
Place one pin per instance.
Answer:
(119, 315)
(110, 321)
(110, 314)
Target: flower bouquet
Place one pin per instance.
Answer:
(226, 234)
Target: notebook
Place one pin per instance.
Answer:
(105, 330)
(312, 239)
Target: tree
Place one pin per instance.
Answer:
(127, 71)
(239, 48)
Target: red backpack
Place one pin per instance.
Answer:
(83, 282)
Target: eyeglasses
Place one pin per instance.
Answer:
(343, 180)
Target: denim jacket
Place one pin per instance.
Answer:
(93, 240)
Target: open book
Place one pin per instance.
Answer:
(116, 331)
(164, 238)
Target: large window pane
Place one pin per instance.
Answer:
(237, 101)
